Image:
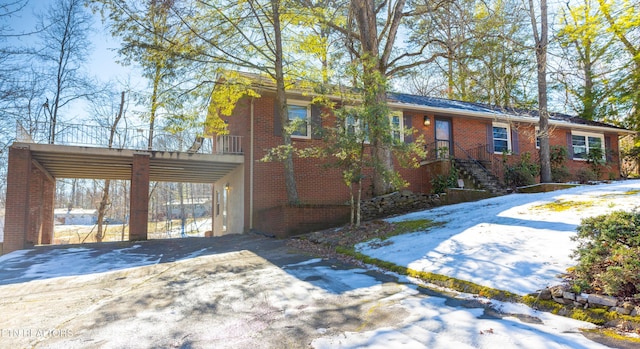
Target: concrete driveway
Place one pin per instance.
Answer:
(242, 291)
(237, 291)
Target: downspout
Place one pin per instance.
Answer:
(251, 168)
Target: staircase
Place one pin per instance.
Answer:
(480, 176)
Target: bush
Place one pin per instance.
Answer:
(559, 172)
(595, 159)
(585, 175)
(607, 252)
(522, 173)
(440, 183)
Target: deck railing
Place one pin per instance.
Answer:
(135, 138)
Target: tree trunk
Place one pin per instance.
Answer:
(281, 101)
(541, 40)
(102, 208)
(374, 81)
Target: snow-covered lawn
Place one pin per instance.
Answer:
(518, 242)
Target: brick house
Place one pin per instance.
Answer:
(253, 196)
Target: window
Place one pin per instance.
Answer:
(501, 138)
(537, 137)
(299, 119)
(217, 203)
(353, 126)
(396, 126)
(582, 143)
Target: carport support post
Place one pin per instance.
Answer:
(139, 198)
(17, 200)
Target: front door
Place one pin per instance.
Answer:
(443, 139)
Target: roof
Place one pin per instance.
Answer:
(444, 105)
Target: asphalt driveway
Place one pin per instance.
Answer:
(236, 291)
(240, 291)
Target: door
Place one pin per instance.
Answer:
(444, 145)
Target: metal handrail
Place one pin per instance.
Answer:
(471, 158)
(440, 152)
(134, 138)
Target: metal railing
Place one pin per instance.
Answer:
(440, 150)
(134, 138)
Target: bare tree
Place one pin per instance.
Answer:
(104, 201)
(65, 29)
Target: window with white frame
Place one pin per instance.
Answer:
(397, 126)
(353, 125)
(299, 117)
(501, 138)
(583, 143)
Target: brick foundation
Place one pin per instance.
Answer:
(285, 221)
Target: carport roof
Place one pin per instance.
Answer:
(62, 161)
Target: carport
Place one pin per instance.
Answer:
(34, 168)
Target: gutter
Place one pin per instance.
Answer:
(251, 155)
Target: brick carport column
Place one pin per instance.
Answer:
(139, 200)
(17, 200)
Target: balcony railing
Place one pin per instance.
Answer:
(127, 138)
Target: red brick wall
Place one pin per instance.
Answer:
(40, 225)
(139, 201)
(17, 199)
(318, 185)
(29, 203)
(284, 221)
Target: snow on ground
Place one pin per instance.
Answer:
(432, 323)
(512, 242)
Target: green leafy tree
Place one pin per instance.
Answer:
(623, 21)
(249, 35)
(151, 37)
(589, 51)
(370, 30)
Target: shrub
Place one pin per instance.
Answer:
(522, 173)
(595, 159)
(440, 183)
(559, 172)
(585, 175)
(607, 252)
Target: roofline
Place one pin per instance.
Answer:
(505, 117)
(468, 113)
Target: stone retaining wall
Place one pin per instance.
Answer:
(399, 202)
(583, 300)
